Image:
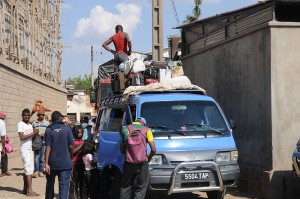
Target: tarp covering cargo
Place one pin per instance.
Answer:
(165, 86)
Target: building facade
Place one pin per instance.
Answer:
(248, 60)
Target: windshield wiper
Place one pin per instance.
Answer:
(167, 128)
(208, 128)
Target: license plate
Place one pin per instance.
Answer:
(195, 176)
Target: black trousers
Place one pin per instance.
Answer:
(4, 163)
(77, 187)
(91, 179)
(132, 173)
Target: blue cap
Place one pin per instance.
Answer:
(141, 119)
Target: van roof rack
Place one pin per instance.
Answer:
(174, 91)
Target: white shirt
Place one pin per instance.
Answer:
(2, 131)
(87, 160)
(26, 129)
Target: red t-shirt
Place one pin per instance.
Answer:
(120, 42)
(77, 157)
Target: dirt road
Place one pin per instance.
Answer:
(11, 186)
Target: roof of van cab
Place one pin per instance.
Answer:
(179, 96)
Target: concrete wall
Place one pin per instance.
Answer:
(19, 89)
(79, 105)
(285, 45)
(254, 77)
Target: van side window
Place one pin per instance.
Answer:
(98, 121)
(112, 119)
(133, 112)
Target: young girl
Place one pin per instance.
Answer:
(91, 171)
(77, 184)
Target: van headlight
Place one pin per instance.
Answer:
(156, 160)
(227, 157)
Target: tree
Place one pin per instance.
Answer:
(81, 83)
(196, 12)
(197, 9)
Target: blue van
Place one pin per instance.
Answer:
(195, 148)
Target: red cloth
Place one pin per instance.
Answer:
(77, 157)
(120, 42)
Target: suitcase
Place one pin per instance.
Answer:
(150, 81)
(135, 79)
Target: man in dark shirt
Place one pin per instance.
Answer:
(59, 144)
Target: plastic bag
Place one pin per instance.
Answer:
(8, 148)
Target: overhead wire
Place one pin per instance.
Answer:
(175, 12)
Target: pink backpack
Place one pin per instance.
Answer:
(136, 150)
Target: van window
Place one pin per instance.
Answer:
(174, 114)
(112, 119)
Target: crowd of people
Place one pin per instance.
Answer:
(42, 141)
(76, 168)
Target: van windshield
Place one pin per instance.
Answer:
(192, 117)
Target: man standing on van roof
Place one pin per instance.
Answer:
(122, 45)
(133, 169)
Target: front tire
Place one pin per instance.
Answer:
(216, 194)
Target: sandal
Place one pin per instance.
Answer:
(7, 174)
(32, 194)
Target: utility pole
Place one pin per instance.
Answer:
(157, 30)
(92, 63)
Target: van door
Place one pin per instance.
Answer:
(111, 122)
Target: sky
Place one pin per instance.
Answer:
(86, 23)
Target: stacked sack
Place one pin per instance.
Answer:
(139, 73)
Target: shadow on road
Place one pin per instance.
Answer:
(11, 189)
(234, 191)
(151, 195)
(17, 169)
(19, 174)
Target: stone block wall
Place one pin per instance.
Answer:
(19, 89)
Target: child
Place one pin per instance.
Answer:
(91, 171)
(76, 184)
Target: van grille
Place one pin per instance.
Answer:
(175, 163)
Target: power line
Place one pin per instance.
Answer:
(175, 12)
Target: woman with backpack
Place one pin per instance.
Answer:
(136, 165)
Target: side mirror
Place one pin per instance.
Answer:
(232, 124)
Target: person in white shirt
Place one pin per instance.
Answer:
(26, 133)
(2, 134)
(91, 172)
(4, 157)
